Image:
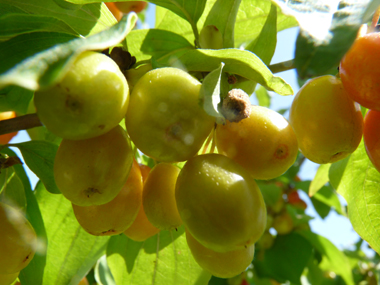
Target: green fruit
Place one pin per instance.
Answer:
(264, 143)
(17, 240)
(327, 122)
(159, 198)
(89, 101)
(211, 38)
(117, 215)
(164, 119)
(8, 279)
(93, 171)
(221, 264)
(220, 203)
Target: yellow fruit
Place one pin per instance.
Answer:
(220, 203)
(164, 119)
(159, 198)
(89, 101)
(141, 229)
(93, 171)
(327, 122)
(221, 264)
(17, 240)
(8, 279)
(264, 143)
(117, 215)
(283, 223)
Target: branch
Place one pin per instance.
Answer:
(19, 123)
(282, 66)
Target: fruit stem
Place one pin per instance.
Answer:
(210, 137)
(282, 66)
(19, 123)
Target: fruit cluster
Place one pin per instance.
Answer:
(214, 195)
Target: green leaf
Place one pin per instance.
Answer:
(39, 156)
(265, 44)
(271, 192)
(32, 274)
(17, 24)
(162, 259)
(359, 184)
(210, 93)
(321, 47)
(240, 62)
(83, 19)
(333, 259)
(103, 274)
(143, 44)
(13, 191)
(263, 97)
(71, 251)
(190, 10)
(282, 262)
(14, 98)
(328, 196)
(251, 19)
(48, 67)
(320, 179)
(223, 15)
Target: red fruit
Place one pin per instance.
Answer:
(4, 139)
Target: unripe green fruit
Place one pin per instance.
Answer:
(93, 171)
(211, 38)
(17, 240)
(159, 199)
(221, 264)
(220, 203)
(283, 223)
(117, 215)
(89, 101)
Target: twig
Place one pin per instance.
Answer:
(282, 66)
(19, 123)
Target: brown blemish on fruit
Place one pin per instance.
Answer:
(91, 191)
(173, 131)
(73, 104)
(27, 257)
(281, 152)
(109, 232)
(101, 127)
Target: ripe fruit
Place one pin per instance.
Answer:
(371, 135)
(8, 279)
(4, 139)
(117, 215)
(114, 10)
(141, 229)
(359, 71)
(17, 240)
(131, 6)
(264, 143)
(164, 119)
(93, 171)
(327, 122)
(134, 75)
(295, 200)
(221, 264)
(159, 198)
(220, 203)
(90, 100)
